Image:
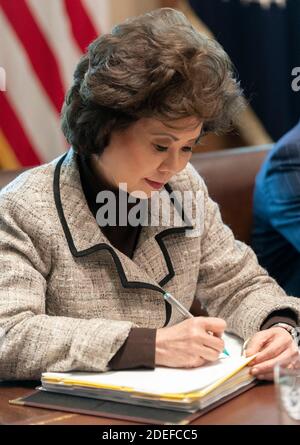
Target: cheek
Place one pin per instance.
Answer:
(132, 169)
(142, 163)
(136, 168)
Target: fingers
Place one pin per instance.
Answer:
(214, 343)
(206, 341)
(266, 367)
(215, 325)
(272, 350)
(257, 343)
(209, 354)
(271, 346)
(212, 329)
(269, 376)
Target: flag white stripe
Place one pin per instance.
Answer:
(28, 98)
(99, 13)
(54, 24)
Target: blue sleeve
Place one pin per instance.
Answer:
(283, 193)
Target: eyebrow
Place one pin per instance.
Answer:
(174, 137)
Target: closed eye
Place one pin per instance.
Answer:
(162, 148)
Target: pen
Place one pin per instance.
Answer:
(173, 302)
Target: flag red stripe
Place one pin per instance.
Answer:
(37, 48)
(16, 135)
(83, 29)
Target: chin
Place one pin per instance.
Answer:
(140, 193)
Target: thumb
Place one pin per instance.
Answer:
(256, 343)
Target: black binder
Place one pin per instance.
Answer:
(115, 410)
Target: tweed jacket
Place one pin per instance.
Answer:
(68, 298)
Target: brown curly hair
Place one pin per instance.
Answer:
(154, 65)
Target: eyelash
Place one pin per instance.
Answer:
(162, 148)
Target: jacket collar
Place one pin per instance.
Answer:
(84, 236)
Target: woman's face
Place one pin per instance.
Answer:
(147, 154)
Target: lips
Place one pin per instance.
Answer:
(154, 184)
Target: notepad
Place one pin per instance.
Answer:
(171, 388)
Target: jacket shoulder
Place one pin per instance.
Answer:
(29, 187)
(286, 150)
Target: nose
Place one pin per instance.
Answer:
(172, 164)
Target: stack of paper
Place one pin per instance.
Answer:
(171, 388)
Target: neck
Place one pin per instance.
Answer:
(101, 175)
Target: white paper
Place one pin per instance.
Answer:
(163, 380)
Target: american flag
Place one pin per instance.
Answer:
(41, 42)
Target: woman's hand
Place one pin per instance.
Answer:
(271, 345)
(190, 344)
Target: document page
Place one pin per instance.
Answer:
(162, 380)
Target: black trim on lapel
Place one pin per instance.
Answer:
(159, 238)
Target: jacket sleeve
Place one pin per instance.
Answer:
(32, 342)
(284, 316)
(231, 284)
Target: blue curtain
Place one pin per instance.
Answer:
(264, 45)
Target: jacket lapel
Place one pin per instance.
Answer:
(151, 266)
(151, 250)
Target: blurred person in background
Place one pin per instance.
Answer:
(276, 233)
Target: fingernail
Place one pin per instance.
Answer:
(254, 371)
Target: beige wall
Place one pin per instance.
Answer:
(121, 9)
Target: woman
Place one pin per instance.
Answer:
(76, 296)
